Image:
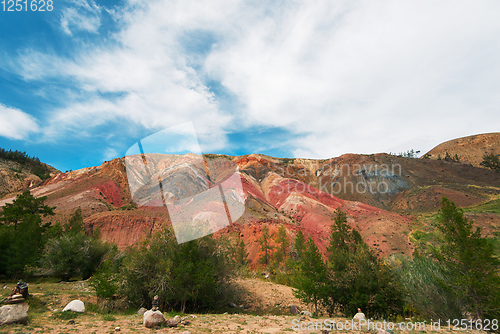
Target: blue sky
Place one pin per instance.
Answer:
(82, 83)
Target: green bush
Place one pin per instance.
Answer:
(185, 276)
(425, 295)
(352, 278)
(105, 281)
(72, 253)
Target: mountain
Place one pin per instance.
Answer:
(21, 174)
(385, 196)
(469, 149)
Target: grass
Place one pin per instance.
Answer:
(492, 206)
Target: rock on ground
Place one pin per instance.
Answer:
(14, 313)
(153, 318)
(359, 316)
(75, 306)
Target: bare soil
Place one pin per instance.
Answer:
(256, 294)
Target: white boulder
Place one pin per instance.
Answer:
(152, 319)
(75, 306)
(359, 316)
(14, 313)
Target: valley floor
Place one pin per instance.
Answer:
(257, 296)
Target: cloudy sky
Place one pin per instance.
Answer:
(84, 81)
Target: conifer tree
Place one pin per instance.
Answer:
(283, 244)
(24, 205)
(312, 283)
(470, 257)
(241, 254)
(491, 161)
(358, 279)
(22, 234)
(299, 244)
(265, 246)
(75, 222)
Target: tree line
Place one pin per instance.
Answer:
(457, 276)
(36, 166)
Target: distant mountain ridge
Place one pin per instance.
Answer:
(381, 194)
(470, 149)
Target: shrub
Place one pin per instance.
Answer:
(425, 295)
(185, 276)
(470, 258)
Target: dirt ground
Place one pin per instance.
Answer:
(256, 295)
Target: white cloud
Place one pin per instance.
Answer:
(84, 16)
(16, 124)
(348, 76)
(110, 153)
(366, 76)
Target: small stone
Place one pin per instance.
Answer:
(294, 309)
(71, 322)
(141, 311)
(171, 323)
(117, 329)
(306, 313)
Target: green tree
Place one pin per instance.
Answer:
(24, 205)
(470, 259)
(283, 244)
(184, 276)
(105, 281)
(241, 254)
(265, 246)
(358, 279)
(491, 161)
(73, 253)
(312, 282)
(299, 244)
(22, 234)
(75, 222)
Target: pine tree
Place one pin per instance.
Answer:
(491, 161)
(280, 255)
(299, 244)
(470, 257)
(75, 222)
(24, 205)
(241, 254)
(22, 234)
(265, 246)
(312, 282)
(358, 279)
